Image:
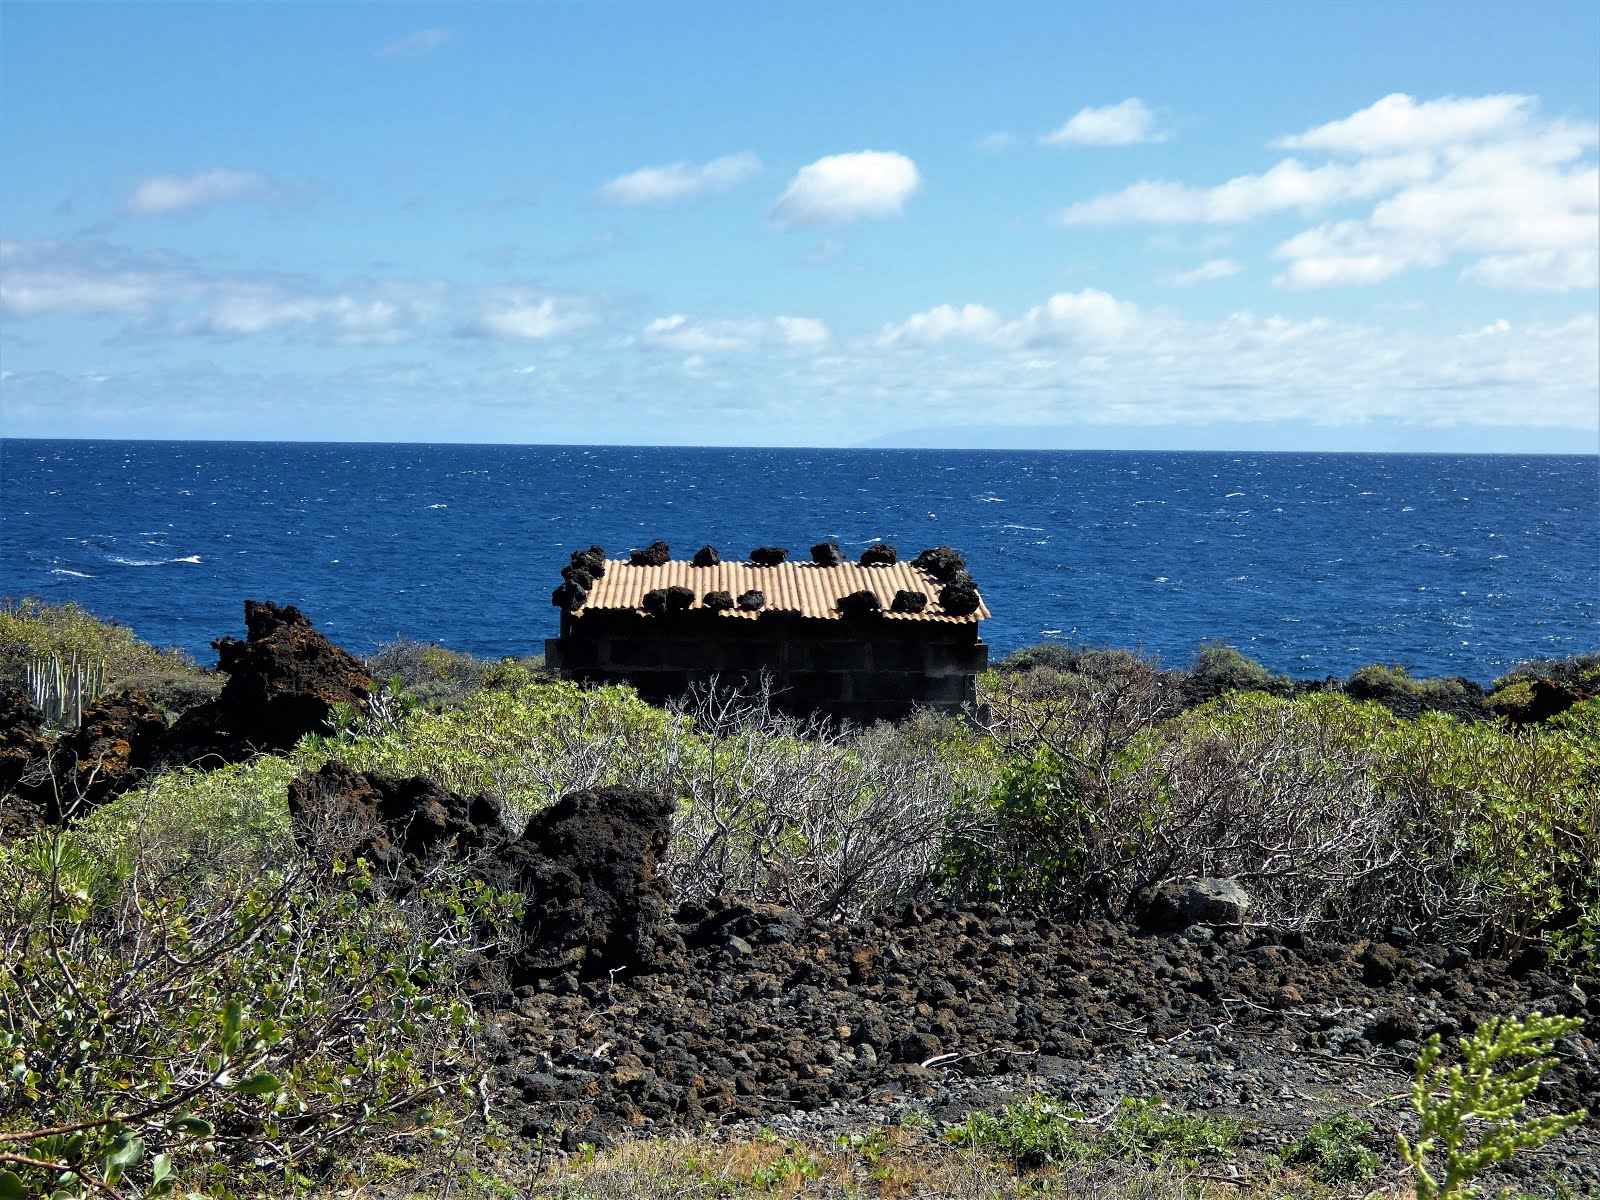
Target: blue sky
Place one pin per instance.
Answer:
(1160, 225)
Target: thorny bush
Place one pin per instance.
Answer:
(238, 1031)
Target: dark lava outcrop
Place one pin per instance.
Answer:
(768, 556)
(586, 866)
(879, 555)
(909, 602)
(283, 681)
(119, 739)
(594, 904)
(656, 554)
(827, 554)
(707, 556)
(23, 753)
(400, 826)
(859, 604)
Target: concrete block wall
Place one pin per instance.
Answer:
(861, 670)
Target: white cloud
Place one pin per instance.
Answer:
(163, 194)
(519, 316)
(1207, 272)
(680, 180)
(1538, 270)
(1066, 317)
(389, 319)
(686, 335)
(847, 187)
(1070, 317)
(945, 322)
(1482, 178)
(1290, 185)
(802, 331)
(156, 291)
(1398, 122)
(416, 45)
(1114, 125)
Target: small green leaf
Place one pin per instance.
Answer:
(194, 1125)
(232, 1024)
(258, 1085)
(160, 1168)
(11, 1187)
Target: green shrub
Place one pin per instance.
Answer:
(1474, 1115)
(31, 630)
(527, 744)
(1149, 1129)
(436, 676)
(240, 1029)
(1377, 680)
(1222, 667)
(1578, 671)
(1332, 1151)
(1032, 1133)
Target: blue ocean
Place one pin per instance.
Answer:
(1314, 564)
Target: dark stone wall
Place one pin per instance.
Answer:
(861, 670)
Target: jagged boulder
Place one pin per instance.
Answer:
(880, 555)
(118, 740)
(283, 681)
(859, 604)
(707, 556)
(587, 869)
(654, 602)
(752, 601)
(941, 562)
(592, 561)
(656, 554)
(827, 554)
(768, 556)
(1179, 904)
(570, 596)
(400, 826)
(909, 602)
(958, 599)
(718, 601)
(24, 751)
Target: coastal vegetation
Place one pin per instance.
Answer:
(193, 1000)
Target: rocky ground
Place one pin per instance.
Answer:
(811, 1028)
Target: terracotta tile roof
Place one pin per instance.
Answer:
(798, 587)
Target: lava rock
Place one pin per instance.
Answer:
(1180, 903)
(283, 681)
(707, 556)
(718, 601)
(578, 575)
(656, 554)
(958, 599)
(400, 826)
(909, 602)
(880, 555)
(941, 562)
(655, 602)
(859, 604)
(587, 868)
(753, 601)
(1380, 963)
(118, 740)
(24, 752)
(592, 560)
(827, 554)
(768, 556)
(569, 597)
(679, 599)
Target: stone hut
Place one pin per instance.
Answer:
(856, 640)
